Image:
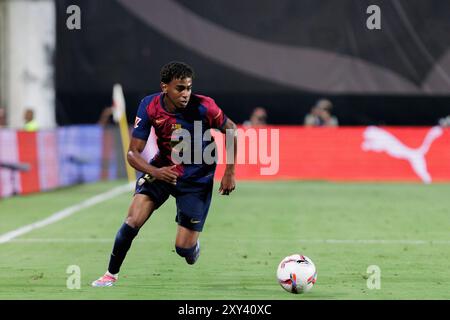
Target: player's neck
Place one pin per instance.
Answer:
(170, 106)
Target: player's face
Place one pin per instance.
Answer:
(179, 91)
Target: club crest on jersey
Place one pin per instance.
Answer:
(136, 122)
(176, 126)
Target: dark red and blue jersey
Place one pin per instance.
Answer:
(200, 110)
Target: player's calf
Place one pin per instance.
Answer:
(122, 244)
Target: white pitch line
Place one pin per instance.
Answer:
(61, 240)
(329, 241)
(6, 237)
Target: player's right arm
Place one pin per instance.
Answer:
(141, 132)
(136, 160)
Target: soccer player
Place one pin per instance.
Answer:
(190, 183)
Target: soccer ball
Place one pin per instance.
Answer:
(297, 273)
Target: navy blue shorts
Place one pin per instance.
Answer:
(192, 200)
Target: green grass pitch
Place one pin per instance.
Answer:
(245, 237)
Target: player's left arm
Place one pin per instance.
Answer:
(228, 183)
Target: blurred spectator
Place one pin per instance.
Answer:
(106, 116)
(444, 122)
(320, 115)
(257, 119)
(30, 123)
(2, 117)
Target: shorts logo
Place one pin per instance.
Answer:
(146, 178)
(136, 122)
(193, 221)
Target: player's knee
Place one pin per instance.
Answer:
(133, 222)
(140, 210)
(136, 221)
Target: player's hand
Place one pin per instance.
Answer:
(227, 185)
(166, 174)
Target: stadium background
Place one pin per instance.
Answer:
(394, 76)
(283, 57)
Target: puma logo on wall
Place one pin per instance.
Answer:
(379, 140)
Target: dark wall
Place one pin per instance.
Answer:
(114, 45)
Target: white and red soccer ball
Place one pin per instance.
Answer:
(297, 273)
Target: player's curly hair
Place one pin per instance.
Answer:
(176, 70)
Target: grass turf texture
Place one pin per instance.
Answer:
(245, 237)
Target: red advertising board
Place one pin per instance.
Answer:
(419, 154)
(404, 154)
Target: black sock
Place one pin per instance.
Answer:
(190, 254)
(124, 237)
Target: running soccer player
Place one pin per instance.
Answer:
(191, 183)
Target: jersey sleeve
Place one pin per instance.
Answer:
(214, 115)
(142, 124)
